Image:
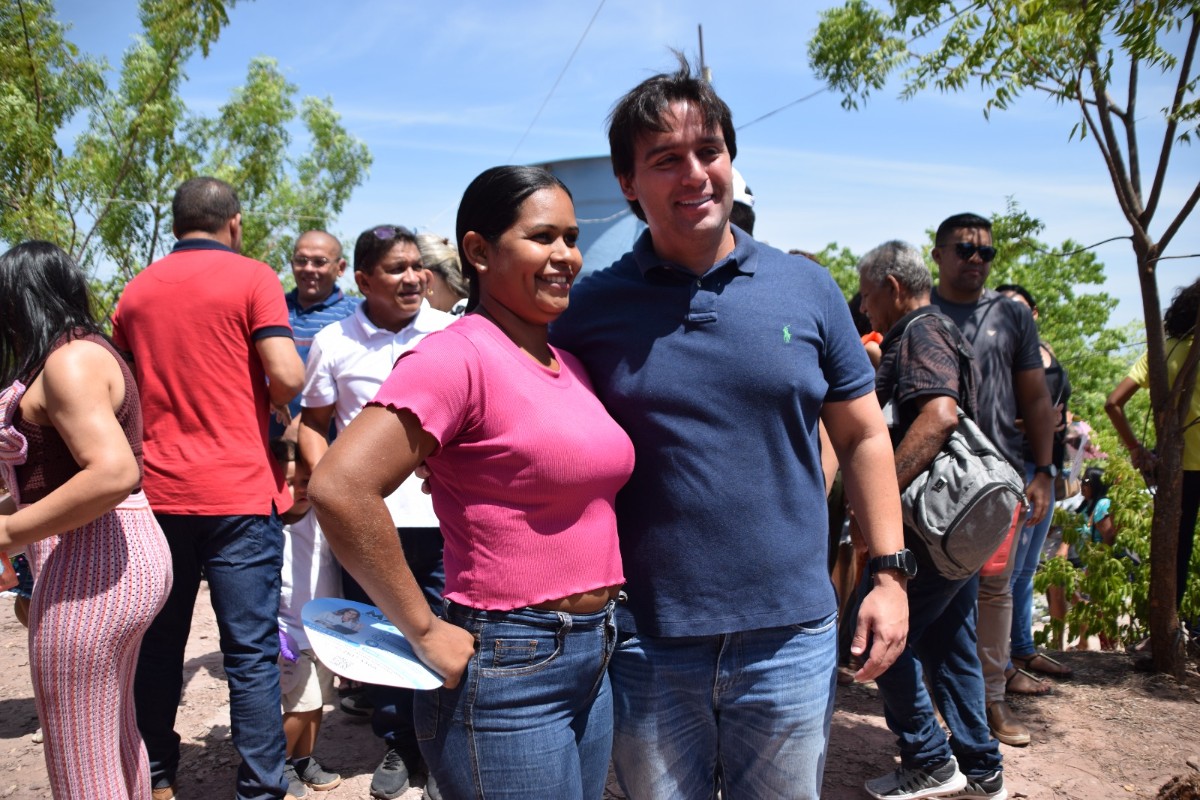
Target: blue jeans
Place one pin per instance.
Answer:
(746, 712)
(241, 558)
(532, 716)
(1029, 552)
(940, 649)
(392, 715)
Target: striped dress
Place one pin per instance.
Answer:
(96, 590)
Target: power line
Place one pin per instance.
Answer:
(782, 108)
(557, 80)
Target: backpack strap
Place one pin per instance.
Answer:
(966, 375)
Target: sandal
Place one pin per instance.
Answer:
(1021, 682)
(1040, 662)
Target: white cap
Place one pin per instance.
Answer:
(741, 192)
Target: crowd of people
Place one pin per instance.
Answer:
(597, 510)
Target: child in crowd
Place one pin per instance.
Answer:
(305, 684)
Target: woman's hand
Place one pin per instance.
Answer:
(446, 649)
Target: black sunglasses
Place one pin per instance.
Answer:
(386, 232)
(965, 250)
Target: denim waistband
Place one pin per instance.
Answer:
(536, 617)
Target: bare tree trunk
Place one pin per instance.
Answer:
(1168, 645)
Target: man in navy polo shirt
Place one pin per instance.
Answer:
(719, 356)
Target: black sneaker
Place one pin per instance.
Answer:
(989, 787)
(393, 776)
(913, 784)
(296, 787)
(313, 775)
(357, 705)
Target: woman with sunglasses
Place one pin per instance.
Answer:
(525, 466)
(71, 454)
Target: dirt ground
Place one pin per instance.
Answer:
(1111, 732)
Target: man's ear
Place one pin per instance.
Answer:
(362, 281)
(341, 267)
(626, 182)
(936, 255)
(475, 246)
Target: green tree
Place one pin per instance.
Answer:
(107, 201)
(1089, 56)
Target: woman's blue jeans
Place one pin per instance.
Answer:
(532, 716)
(1029, 553)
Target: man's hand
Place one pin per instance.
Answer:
(882, 620)
(1038, 492)
(446, 649)
(282, 414)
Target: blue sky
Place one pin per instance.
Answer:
(441, 91)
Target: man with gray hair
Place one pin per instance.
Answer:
(919, 381)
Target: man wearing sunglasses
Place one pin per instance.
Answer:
(1012, 386)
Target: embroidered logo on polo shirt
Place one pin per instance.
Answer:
(787, 334)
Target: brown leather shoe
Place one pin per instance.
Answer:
(1005, 726)
(165, 793)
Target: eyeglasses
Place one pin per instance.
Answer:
(965, 250)
(386, 232)
(304, 261)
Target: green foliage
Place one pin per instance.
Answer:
(1006, 47)
(842, 265)
(108, 200)
(1115, 580)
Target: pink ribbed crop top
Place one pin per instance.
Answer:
(527, 469)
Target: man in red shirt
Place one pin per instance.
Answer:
(208, 333)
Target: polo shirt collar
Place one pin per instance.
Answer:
(184, 245)
(335, 297)
(421, 323)
(742, 259)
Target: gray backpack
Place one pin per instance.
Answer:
(963, 504)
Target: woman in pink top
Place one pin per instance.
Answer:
(525, 467)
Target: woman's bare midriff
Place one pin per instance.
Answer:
(581, 602)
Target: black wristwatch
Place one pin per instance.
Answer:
(1049, 469)
(904, 561)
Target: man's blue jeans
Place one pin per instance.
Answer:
(1029, 553)
(747, 712)
(392, 714)
(241, 558)
(940, 649)
(532, 716)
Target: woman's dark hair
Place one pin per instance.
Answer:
(1093, 478)
(1180, 319)
(491, 205)
(43, 296)
(1017, 288)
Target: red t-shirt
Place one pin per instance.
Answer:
(190, 321)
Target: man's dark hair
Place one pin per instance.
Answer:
(491, 205)
(376, 242)
(203, 205)
(643, 109)
(742, 215)
(958, 221)
(1180, 319)
(1017, 288)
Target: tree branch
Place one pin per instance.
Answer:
(1160, 174)
(1115, 170)
(1125, 190)
(1183, 214)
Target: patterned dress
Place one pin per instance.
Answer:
(96, 590)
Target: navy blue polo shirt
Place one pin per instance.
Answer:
(719, 380)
